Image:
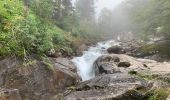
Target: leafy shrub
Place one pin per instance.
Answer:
(22, 34)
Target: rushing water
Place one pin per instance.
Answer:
(85, 62)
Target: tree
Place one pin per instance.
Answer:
(85, 9)
(57, 10)
(67, 7)
(105, 21)
(152, 16)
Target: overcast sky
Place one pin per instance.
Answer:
(110, 4)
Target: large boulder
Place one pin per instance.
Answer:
(37, 80)
(116, 63)
(115, 49)
(107, 68)
(110, 86)
(106, 64)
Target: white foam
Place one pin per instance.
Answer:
(84, 63)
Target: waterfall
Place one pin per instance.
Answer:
(84, 63)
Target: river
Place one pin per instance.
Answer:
(84, 63)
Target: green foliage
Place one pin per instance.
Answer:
(34, 35)
(157, 94)
(47, 62)
(29, 63)
(153, 15)
(161, 48)
(42, 8)
(23, 34)
(10, 14)
(87, 31)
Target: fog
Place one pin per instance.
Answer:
(100, 4)
(109, 4)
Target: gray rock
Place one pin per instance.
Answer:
(9, 94)
(107, 68)
(36, 81)
(110, 86)
(106, 64)
(65, 63)
(115, 49)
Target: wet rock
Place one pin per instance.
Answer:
(65, 63)
(9, 94)
(110, 86)
(36, 81)
(107, 58)
(106, 64)
(124, 64)
(80, 49)
(115, 49)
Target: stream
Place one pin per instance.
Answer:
(84, 63)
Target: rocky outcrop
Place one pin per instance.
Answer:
(36, 80)
(110, 86)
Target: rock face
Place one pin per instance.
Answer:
(7, 94)
(65, 63)
(110, 86)
(36, 81)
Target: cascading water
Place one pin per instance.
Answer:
(84, 63)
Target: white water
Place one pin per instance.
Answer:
(84, 63)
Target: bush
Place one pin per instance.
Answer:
(23, 35)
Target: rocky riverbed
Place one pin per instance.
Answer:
(118, 74)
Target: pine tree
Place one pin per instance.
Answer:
(67, 8)
(86, 9)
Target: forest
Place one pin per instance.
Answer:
(33, 26)
(67, 50)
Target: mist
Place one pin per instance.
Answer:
(109, 4)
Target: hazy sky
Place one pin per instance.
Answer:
(110, 4)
